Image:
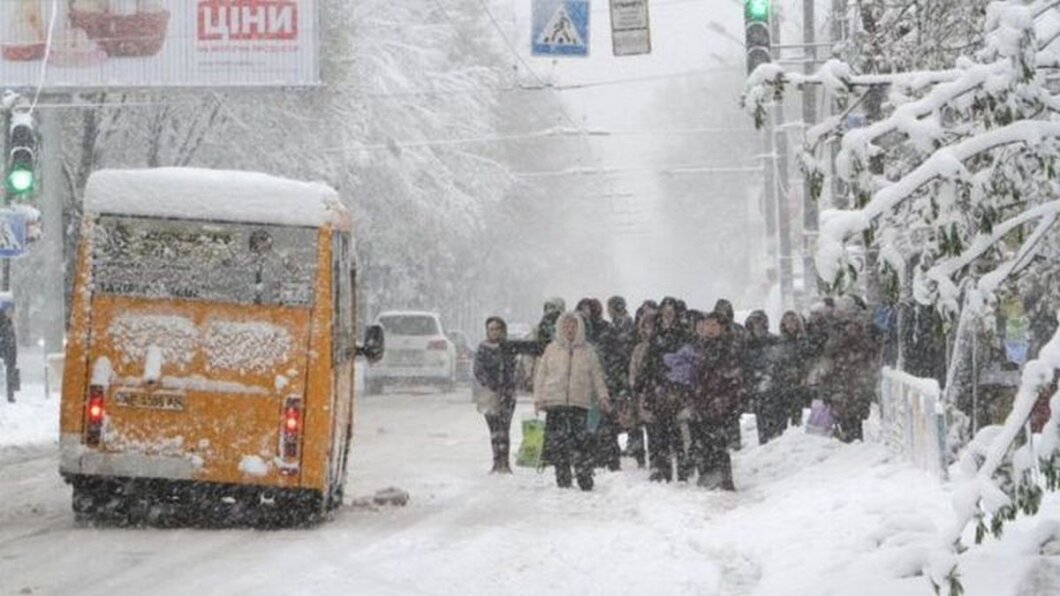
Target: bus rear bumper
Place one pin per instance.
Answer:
(76, 459)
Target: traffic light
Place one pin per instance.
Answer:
(756, 16)
(20, 178)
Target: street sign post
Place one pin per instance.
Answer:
(12, 234)
(560, 28)
(630, 28)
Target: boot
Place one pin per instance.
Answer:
(500, 465)
(585, 481)
(563, 475)
(726, 474)
(500, 461)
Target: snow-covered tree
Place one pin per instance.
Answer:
(956, 179)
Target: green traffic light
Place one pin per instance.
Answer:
(757, 10)
(20, 181)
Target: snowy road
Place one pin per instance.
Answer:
(812, 517)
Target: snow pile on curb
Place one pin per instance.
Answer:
(30, 420)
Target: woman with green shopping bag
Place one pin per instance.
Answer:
(569, 381)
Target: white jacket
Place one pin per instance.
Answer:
(569, 373)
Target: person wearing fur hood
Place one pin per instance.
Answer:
(568, 382)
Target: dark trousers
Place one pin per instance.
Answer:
(607, 450)
(711, 440)
(500, 425)
(12, 379)
(772, 415)
(849, 428)
(568, 443)
(635, 444)
(797, 399)
(666, 442)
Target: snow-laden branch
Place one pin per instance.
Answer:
(942, 273)
(980, 489)
(946, 163)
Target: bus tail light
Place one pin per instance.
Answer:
(438, 344)
(291, 431)
(94, 412)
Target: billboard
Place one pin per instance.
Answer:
(158, 43)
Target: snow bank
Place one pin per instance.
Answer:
(31, 420)
(218, 195)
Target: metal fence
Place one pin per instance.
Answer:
(913, 421)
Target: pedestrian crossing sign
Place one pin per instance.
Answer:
(12, 234)
(560, 28)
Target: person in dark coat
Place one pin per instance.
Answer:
(715, 397)
(848, 380)
(792, 366)
(546, 329)
(738, 336)
(666, 398)
(641, 382)
(9, 347)
(592, 315)
(494, 371)
(759, 357)
(615, 347)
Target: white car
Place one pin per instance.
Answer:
(417, 352)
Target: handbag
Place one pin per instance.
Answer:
(822, 419)
(532, 445)
(487, 401)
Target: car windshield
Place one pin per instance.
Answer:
(409, 325)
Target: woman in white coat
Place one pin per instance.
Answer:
(569, 381)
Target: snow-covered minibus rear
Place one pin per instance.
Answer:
(210, 347)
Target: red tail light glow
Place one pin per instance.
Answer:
(291, 428)
(290, 420)
(94, 410)
(438, 344)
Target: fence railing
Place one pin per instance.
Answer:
(912, 420)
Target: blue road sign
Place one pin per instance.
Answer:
(12, 234)
(560, 28)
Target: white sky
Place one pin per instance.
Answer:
(682, 43)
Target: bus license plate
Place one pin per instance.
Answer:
(151, 401)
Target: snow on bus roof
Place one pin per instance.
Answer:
(221, 195)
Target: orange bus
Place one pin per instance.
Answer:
(210, 348)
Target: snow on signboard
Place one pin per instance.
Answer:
(630, 28)
(560, 27)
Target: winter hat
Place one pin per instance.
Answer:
(724, 308)
(617, 303)
(555, 305)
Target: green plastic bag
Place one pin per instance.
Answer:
(533, 443)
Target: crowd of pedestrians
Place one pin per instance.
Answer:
(675, 381)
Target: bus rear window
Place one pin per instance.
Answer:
(207, 261)
(409, 325)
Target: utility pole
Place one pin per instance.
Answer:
(809, 118)
(779, 187)
(51, 207)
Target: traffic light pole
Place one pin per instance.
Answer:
(5, 267)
